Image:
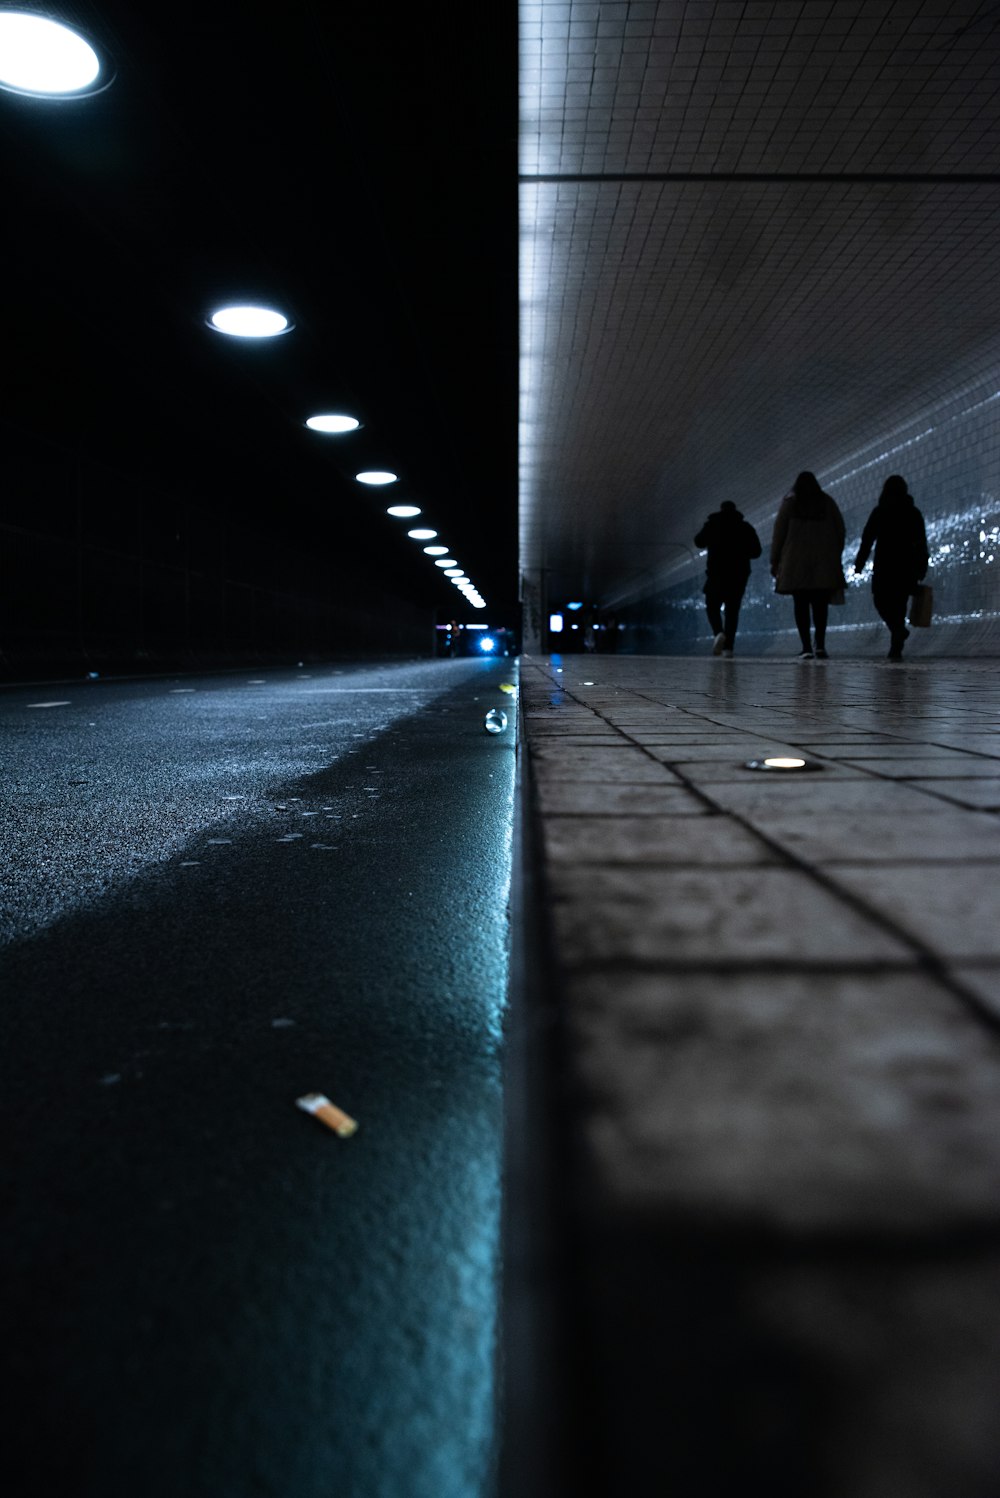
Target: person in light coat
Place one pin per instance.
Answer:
(806, 549)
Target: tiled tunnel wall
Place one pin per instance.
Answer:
(948, 450)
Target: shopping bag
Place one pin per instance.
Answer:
(922, 605)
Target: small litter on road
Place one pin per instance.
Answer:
(495, 720)
(509, 687)
(322, 1108)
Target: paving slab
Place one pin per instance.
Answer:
(819, 1103)
(934, 766)
(936, 836)
(622, 765)
(652, 839)
(875, 749)
(956, 913)
(971, 793)
(759, 794)
(644, 915)
(598, 798)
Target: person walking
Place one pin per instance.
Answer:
(731, 543)
(896, 530)
(806, 548)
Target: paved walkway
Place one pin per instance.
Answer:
(780, 994)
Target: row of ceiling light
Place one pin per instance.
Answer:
(267, 322)
(45, 59)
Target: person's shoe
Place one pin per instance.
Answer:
(727, 655)
(805, 655)
(719, 643)
(895, 655)
(821, 654)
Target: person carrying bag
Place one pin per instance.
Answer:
(896, 530)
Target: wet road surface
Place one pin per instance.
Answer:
(219, 894)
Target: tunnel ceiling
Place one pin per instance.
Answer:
(355, 165)
(754, 238)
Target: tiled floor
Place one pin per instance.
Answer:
(781, 1002)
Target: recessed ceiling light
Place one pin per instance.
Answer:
(422, 534)
(249, 322)
(403, 512)
(42, 57)
(436, 551)
(453, 572)
(446, 562)
(332, 423)
(376, 476)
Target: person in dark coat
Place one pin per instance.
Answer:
(731, 543)
(806, 547)
(896, 530)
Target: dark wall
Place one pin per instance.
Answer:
(104, 571)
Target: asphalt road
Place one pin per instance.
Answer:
(219, 894)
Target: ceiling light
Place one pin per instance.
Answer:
(249, 322)
(423, 535)
(332, 423)
(446, 562)
(376, 476)
(45, 58)
(403, 512)
(436, 551)
(453, 572)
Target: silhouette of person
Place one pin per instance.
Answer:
(806, 548)
(896, 529)
(731, 543)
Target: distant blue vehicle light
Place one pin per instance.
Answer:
(487, 643)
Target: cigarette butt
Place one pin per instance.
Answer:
(335, 1118)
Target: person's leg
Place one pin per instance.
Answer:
(733, 599)
(713, 608)
(883, 605)
(801, 605)
(891, 606)
(820, 613)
